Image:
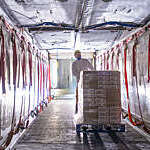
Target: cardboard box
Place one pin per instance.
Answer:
(100, 97)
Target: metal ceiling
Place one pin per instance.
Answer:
(112, 18)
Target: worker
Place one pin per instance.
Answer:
(77, 66)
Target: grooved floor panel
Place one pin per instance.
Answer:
(54, 129)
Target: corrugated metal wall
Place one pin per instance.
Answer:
(24, 78)
(131, 58)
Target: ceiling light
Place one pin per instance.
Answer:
(62, 0)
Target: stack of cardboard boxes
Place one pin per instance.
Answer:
(99, 97)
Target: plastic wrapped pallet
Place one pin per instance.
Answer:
(99, 100)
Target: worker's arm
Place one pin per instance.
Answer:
(74, 70)
(89, 65)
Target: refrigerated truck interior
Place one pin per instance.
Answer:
(43, 105)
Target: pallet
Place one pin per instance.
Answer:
(86, 128)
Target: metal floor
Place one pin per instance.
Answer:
(54, 129)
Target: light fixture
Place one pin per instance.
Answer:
(62, 0)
